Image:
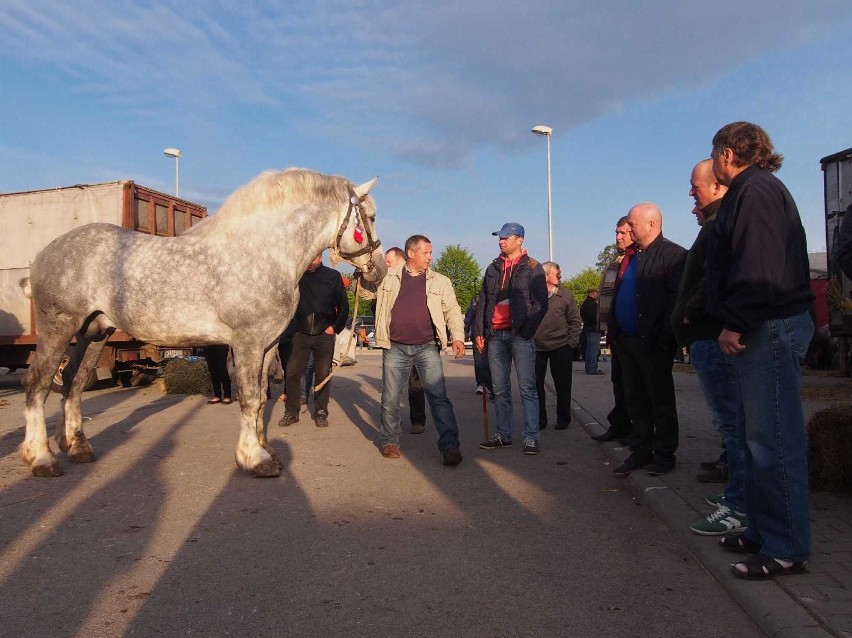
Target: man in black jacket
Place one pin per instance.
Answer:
(644, 342)
(512, 304)
(320, 315)
(757, 285)
(589, 315)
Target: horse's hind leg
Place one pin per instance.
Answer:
(35, 450)
(253, 453)
(69, 432)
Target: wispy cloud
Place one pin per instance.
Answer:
(450, 78)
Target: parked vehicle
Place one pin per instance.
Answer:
(31, 220)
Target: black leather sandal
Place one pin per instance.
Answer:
(737, 543)
(763, 567)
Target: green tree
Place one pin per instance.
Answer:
(580, 283)
(606, 257)
(457, 263)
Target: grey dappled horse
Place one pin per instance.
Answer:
(232, 278)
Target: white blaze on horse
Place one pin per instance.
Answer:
(231, 279)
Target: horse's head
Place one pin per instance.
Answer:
(357, 241)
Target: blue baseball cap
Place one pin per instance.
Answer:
(510, 228)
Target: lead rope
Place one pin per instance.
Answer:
(335, 366)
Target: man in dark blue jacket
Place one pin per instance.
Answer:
(757, 284)
(644, 341)
(512, 304)
(320, 315)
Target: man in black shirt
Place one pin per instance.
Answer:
(757, 285)
(320, 315)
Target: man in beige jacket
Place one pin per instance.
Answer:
(415, 307)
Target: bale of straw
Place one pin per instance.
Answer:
(187, 377)
(830, 449)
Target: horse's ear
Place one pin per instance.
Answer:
(364, 189)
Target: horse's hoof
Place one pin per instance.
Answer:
(81, 456)
(46, 470)
(267, 469)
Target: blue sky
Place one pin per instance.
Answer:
(436, 98)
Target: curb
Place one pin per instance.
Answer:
(775, 611)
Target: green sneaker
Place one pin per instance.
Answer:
(720, 522)
(716, 500)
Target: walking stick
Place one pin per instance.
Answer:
(484, 411)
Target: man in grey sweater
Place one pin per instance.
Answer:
(555, 340)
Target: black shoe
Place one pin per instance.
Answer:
(562, 425)
(631, 463)
(452, 456)
(708, 465)
(609, 435)
(718, 474)
(321, 419)
(288, 419)
(542, 426)
(530, 447)
(658, 469)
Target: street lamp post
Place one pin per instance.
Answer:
(173, 152)
(546, 131)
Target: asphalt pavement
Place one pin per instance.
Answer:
(163, 535)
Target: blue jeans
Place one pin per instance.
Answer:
(396, 369)
(593, 348)
(503, 348)
(719, 385)
(771, 428)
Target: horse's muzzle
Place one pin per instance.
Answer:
(376, 269)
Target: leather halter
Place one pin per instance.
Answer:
(371, 245)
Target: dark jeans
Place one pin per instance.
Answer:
(217, 363)
(481, 371)
(561, 364)
(649, 392)
(618, 417)
(416, 398)
(322, 347)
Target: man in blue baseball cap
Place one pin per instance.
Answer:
(513, 302)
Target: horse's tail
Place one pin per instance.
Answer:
(28, 289)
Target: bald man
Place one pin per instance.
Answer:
(644, 342)
(698, 330)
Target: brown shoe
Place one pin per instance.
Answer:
(418, 428)
(452, 456)
(390, 451)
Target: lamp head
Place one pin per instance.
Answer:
(171, 152)
(542, 130)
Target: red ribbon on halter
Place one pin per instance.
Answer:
(358, 235)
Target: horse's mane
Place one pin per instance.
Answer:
(294, 185)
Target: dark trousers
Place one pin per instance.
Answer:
(481, 371)
(285, 349)
(650, 396)
(618, 417)
(217, 363)
(561, 368)
(322, 346)
(416, 398)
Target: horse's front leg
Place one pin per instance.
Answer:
(253, 453)
(69, 432)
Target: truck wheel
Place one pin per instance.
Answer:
(139, 379)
